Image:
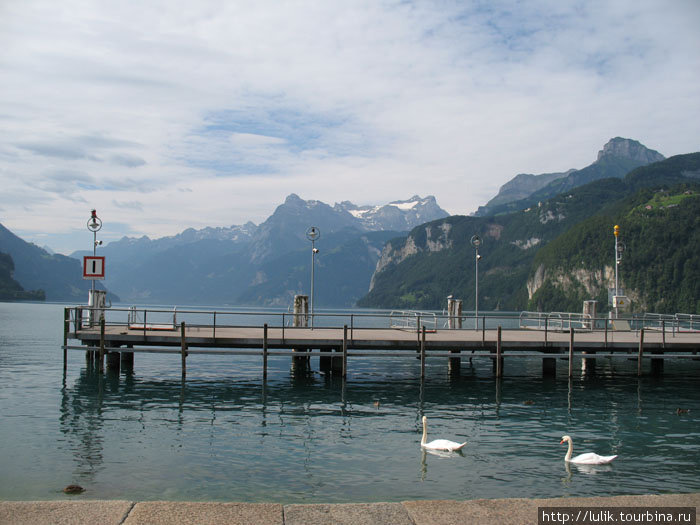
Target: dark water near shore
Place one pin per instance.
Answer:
(224, 434)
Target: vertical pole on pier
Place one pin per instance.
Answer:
(422, 353)
(183, 349)
(66, 323)
(499, 357)
(641, 352)
(265, 351)
(483, 331)
(546, 319)
(571, 351)
(606, 333)
(663, 335)
(345, 351)
(102, 345)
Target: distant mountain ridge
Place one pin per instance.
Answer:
(264, 264)
(618, 157)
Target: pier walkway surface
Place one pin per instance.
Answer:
(430, 512)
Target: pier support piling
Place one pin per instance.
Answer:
(549, 366)
(454, 310)
(498, 362)
(113, 360)
(264, 351)
(127, 360)
(101, 364)
(422, 354)
(183, 349)
(641, 352)
(571, 351)
(345, 351)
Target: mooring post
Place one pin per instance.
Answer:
(422, 353)
(546, 319)
(345, 351)
(499, 357)
(102, 345)
(183, 349)
(265, 351)
(571, 351)
(66, 324)
(483, 331)
(606, 333)
(641, 352)
(663, 335)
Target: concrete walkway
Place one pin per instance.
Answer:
(447, 512)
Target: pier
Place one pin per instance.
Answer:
(116, 335)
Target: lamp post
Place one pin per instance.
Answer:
(94, 224)
(476, 242)
(619, 248)
(313, 234)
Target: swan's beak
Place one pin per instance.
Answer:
(562, 441)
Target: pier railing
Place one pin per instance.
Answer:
(149, 318)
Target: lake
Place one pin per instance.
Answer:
(225, 435)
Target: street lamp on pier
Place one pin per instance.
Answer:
(476, 242)
(313, 234)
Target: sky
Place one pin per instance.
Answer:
(168, 115)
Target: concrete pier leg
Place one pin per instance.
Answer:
(454, 364)
(657, 366)
(324, 363)
(337, 363)
(113, 360)
(127, 361)
(549, 366)
(588, 364)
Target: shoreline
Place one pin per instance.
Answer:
(520, 511)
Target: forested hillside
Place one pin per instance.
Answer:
(529, 256)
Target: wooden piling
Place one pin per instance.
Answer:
(66, 323)
(422, 353)
(102, 345)
(183, 349)
(571, 351)
(641, 352)
(606, 333)
(499, 352)
(265, 351)
(345, 351)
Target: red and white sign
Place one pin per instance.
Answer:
(93, 267)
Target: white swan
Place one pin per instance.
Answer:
(438, 444)
(589, 458)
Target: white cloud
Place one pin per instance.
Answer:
(168, 115)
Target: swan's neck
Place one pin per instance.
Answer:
(425, 433)
(570, 451)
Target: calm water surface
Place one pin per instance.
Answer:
(224, 434)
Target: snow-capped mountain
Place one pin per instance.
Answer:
(397, 215)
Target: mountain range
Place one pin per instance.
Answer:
(557, 252)
(407, 254)
(265, 264)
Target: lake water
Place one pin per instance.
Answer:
(225, 435)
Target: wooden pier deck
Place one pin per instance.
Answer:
(337, 344)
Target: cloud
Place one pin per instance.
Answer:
(211, 113)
